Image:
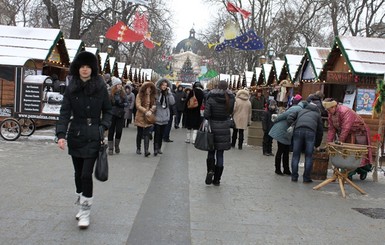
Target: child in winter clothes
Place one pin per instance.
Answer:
(266, 126)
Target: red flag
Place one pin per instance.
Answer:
(122, 33)
(148, 44)
(232, 8)
(140, 23)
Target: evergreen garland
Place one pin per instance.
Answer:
(380, 97)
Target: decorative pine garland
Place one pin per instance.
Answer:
(380, 97)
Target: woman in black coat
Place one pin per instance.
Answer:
(86, 100)
(193, 115)
(219, 106)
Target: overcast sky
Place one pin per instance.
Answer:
(188, 14)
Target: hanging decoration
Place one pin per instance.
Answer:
(247, 41)
(233, 8)
(122, 33)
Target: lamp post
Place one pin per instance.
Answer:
(270, 53)
(262, 60)
(101, 42)
(110, 49)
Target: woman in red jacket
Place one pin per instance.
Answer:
(346, 126)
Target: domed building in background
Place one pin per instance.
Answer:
(188, 50)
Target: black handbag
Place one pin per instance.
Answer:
(101, 167)
(205, 138)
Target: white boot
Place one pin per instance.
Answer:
(77, 203)
(84, 219)
(194, 135)
(188, 136)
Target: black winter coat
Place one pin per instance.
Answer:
(218, 115)
(180, 100)
(89, 104)
(193, 116)
(267, 124)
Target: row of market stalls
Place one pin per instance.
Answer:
(34, 63)
(349, 72)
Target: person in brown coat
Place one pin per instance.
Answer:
(241, 116)
(145, 104)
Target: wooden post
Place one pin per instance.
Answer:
(379, 143)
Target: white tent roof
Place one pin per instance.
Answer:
(74, 46)
(18, 44)
(292, 63)
(366, 55)
(278, 65)
(121, 67)
(112, 64)
(317, 57)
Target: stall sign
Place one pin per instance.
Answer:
(365, 99)
(38, 99)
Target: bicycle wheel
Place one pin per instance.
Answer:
(27, 125)
(10, 129)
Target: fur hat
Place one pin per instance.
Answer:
(329, 104)
(84, 58)
(115, 81)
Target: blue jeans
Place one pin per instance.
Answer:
(302, 138)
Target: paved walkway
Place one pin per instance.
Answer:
(163, 200)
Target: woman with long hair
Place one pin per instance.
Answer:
(218, 109)
(145, 105)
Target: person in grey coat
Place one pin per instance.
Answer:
(308, 132)
(86, 100)
(219, 106)
(131, 103)
(283, 138)
(163, 99)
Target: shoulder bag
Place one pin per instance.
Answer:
(205, 138)
(101, 166)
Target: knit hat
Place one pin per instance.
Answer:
(297, 97)
(329, 104)
(84, 58)
(272, 103)
(115, 81)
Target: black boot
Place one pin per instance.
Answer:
(217, 175)
(286, 169)
(210, 171)
(234, 138)
(278, 166)
(138, 145)
(240, 141)
(156, 148)
(146, 146)
(117, 149)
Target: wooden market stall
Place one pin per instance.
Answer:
(27, 52)
(351, 73)
(308, 73)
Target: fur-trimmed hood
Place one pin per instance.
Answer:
(84, 58)
(145, 85)
(160, 81)
(243, 94)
